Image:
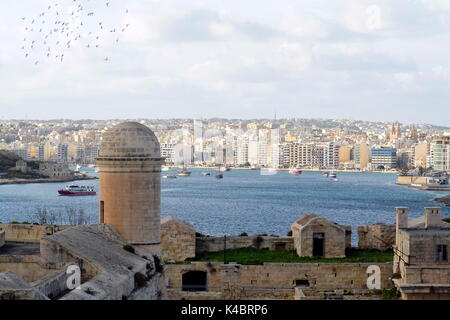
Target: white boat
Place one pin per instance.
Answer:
(332, 174)
(164, 168)
(169, 176)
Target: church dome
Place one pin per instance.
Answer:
(129, 139)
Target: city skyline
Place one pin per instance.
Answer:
(369, 60)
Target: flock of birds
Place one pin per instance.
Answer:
(61, 27)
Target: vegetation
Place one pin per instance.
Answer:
(252, 256)
(69, 216)
(386, 294)
(7, 160)
(129, 248)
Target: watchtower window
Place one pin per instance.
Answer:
(194, 281)
(442, 253)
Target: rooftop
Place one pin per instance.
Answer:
(129, 139)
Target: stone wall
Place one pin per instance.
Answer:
(177, 240)
(28, 232)
(26, 267)
(275, 280)
(215, 244)
(378, 236)
(53, 285)
(411, 179)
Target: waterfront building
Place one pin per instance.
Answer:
(168, 152)
(383, 157)
(54, 170)
(361, 154)
(63, 152)
(242, 150)
(345, 154)
(421, 151)
(440, 154)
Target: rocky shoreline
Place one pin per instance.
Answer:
(445, 200)
(42, 180)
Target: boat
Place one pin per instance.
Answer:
(184, 173)
(164, 168)
(206, 174)
(169, 176)
(325, 174)
(77, 168)
(269, 171)
(295, 171)
(255, 168)
(224, 169)
(332, 174)
(74, 190)
(219, 176)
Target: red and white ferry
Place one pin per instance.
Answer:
(74, 190)
(295, 171)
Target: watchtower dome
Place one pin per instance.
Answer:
(130, 184)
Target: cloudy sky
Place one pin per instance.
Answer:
(372, 60)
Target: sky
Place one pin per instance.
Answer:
(377, 60)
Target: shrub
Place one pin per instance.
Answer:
(129, 248)
(140, 279)
(158, 266)
(289, 234)
(243, 234)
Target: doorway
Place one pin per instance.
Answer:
(318, 244)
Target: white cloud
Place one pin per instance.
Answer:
(178, 58)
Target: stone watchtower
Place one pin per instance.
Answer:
(129, 166)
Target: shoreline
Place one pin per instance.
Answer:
(42, 180)
(287, 169)
(445, 201)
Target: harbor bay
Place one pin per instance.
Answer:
(246, 201)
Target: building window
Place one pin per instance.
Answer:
(194, 281)
(442, 253)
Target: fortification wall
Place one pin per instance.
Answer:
(26, 267)
(276, 280)
(28, 232)
(379, 236)
(177, 241)
(215, 244)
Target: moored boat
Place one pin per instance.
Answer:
(169, 176)
(295, 171)
(184, 173)
(75, 190)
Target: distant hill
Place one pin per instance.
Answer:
(7, 160)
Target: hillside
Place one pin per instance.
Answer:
(7, 160)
